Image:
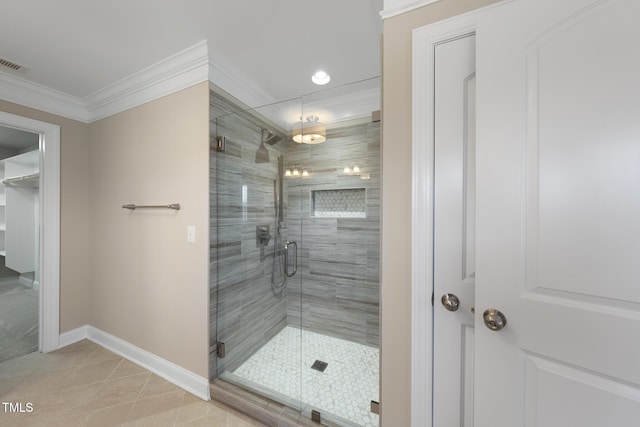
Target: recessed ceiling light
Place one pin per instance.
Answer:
(320, 78)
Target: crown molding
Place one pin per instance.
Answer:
(34, 95)
(177, 72)
(184, 69)
(222, 76)
(398, 7)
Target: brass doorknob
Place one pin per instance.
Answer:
(450, 302)
(494, 319)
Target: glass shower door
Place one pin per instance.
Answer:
(339, 188)
(253, 251)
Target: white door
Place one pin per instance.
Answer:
(454, 232)
(558, 214)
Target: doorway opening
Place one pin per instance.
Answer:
(19, 242)
(30, 241)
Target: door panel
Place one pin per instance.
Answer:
(454, 230)
(581, 154)
(466, 394)
(558, 205)
(588, 400)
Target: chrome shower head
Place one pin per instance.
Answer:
(262, 154)
(271, 137)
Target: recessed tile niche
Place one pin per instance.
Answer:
(343, 203)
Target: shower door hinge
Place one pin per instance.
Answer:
(375, 407)
(432, 298)
(220, 350)
(221, 142)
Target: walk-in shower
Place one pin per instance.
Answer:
(295, 254)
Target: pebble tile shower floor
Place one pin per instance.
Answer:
(345, 388)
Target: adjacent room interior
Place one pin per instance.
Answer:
(19, 242)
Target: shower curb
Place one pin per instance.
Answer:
(267, 411)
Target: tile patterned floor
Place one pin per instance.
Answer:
(18, 319)
(85, 385)
(345, 388)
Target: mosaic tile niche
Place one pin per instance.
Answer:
(347, 203)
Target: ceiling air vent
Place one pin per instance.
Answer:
(11, 65)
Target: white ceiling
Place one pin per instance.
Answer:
(79, 47)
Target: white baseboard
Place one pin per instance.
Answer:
(183, 378)
(73, 336)
(26, 281)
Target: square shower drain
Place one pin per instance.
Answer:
(319, 365)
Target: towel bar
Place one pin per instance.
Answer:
(175, 206)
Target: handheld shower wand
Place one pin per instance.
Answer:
(279, 254)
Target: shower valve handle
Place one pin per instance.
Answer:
(262, 235)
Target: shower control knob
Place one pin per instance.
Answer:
(450, 302)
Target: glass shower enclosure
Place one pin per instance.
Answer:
(295, 236)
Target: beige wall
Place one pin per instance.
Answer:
(149, 286)
(396, 206)
(74, 214)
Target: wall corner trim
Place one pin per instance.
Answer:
(183, 378)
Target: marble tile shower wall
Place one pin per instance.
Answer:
(337, 290)
(245, 311)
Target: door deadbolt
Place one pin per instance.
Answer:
(494, 319)
(450, 302)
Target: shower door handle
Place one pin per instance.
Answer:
(295, 258)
